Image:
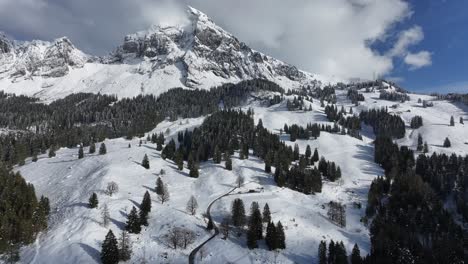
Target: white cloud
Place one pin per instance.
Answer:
(418, 60)
(406, 39)
(332, 37)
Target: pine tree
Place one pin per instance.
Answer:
(102, 149)
(210, 224)
(281, 238)
(315, 157)
(159, 186)
(52, 151)
(145, 208)
(425, 148)
(340, 253)
(217, 155)
(447, 143)
(308, 152)
(228, 163)
(93, 201)
(255, 220)
(125, 246)
(356, 255)
(133, 222)
(179, 160)
(461, 120)
(145, 163)
(252, 237)
(452, 121)
(420, 143)
(80, 153)
(110, 250)
(266, 214)
(193, 170)
(322, 252)
(331, 252)
(270, 237)
(238, 213)
(92, 148)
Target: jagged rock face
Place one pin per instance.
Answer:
(39, 58)
(198, 54)
(202, 47)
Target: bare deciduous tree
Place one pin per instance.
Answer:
(164, 195)
(224, 227)
(240, 181)
(180, 237)
(112, 187)
(192, 205)
(105, 215)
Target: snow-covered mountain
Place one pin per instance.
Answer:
(197, 55)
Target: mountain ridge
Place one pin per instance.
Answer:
(197, 55)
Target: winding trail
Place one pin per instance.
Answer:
(216, 229)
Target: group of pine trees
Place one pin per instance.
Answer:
(383, 123)
(410, 223)
(336, 254)
(22, 215)
(416, 122)
(114, 250)
(394, 96)
(355, 96)
(257, 221)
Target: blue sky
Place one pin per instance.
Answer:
(445, 26)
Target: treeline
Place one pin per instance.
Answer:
(448, 176)
(355, 96)
(410, 224)
(394, 96)
(82, 119)
(384, 123)
(22, 215)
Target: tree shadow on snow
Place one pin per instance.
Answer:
(137, 205)
(149, 188)
(79, 205)
(92, 252)
(121, 225)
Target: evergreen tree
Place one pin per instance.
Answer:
(266, 214)
(92, 148)
(331, 252)
(425, 148)
(145, 163)
(194, 170)
(133, 222)
(125, 246)
(145, 208)
(322, 252)
(420, 143)
(217, 155)
(159, 186)
(255, 221)
(356, 255)
(308, 152)
(210, 225)
(52, 151)
(110, 250)
(102, 149)
(179, 160)
(340, 254)
(228, 161)
(238, 213)
(252, 237)
(315, 157)
(452, 121)
(93, 201)
(280, 236)
(80, 152)
(461, 120)
(447, 143)
(270, 237)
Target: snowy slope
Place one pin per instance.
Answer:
(197, 55)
